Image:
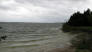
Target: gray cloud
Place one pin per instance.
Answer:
(40, 10)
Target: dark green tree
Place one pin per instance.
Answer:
(81, 19)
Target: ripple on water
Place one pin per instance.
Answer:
(32, 38)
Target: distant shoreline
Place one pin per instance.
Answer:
(32, 22)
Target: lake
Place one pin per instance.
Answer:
(32, 37)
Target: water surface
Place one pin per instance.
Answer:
(32, 37)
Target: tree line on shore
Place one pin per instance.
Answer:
(81, 19)
(80, 22)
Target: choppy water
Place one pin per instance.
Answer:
(32, 37)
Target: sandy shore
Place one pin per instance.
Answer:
(65, 49)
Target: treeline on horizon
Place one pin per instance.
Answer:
(81, 19)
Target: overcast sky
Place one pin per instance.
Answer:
(40, 10)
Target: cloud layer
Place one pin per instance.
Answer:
(40, 10)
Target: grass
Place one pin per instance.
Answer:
(82, 41)
(68, 28)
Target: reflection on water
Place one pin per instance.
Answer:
(32, 37)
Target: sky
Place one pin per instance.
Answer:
(41, 10)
